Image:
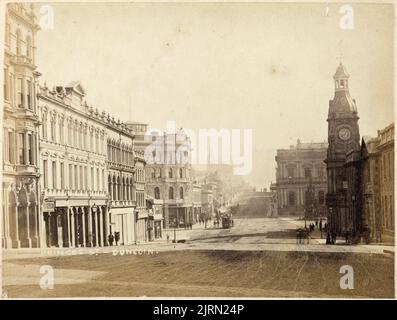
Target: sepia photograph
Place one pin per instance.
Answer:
(188, 150)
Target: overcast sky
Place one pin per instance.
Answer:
(265, 67)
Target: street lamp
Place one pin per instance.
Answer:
(175, 230)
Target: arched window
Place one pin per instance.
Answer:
(110, 187)
(171, 193)
(181, 192)
(321, 197)
(157, 193)
(28, 47)
(291, 198)
(18, 40)
(180, 173)
(114, 193)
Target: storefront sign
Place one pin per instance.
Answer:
(48, 206)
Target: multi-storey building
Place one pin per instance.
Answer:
(73, 163)
(385, 150)
(343, 146)
(21, 225)
(296, 167)
(121, 181)
(374, 186)
(169, 177)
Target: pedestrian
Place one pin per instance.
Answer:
(117, 237)
(328, 241)
(111, 239)
(168, 238)
(321, 226)
(316, 223)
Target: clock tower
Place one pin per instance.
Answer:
(343, 138)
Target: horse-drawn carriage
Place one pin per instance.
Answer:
(302, 235)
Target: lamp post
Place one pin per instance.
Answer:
(91, 236)
(174, 230)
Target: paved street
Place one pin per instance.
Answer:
(257, 257)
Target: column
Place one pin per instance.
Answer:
(89, 216)
(101, 226)
(17, 240)
(36, 224)
(72, 227)
(94, 214)
(106, 229)
(68, 227)
(83, 226)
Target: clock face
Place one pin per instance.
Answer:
(344, 134)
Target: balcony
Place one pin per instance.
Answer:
(23, 60)
(123, 203)
(301, 180)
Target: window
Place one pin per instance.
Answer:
(29, 95)
(18, 42)
(45, 174)
(54, 175)
(76, 178)
(85, 178)
(30, 149)
(321, 197)
(97, 179)
(180, 173)
(291, 172)
(171, 193)
(11, 146)
(62, 175)
(320, 172)
(308, 173)
(157, 193)
(28, 47)
(20, 93)
(21, 148)
(53, 126)
(291, 198)
(44, 125)
(7, 33)
(170, 173)
(70, 176)
(6, 85)
(92, 178)
(181, 193)
(153, 173)
(81, 177)
(61, 128)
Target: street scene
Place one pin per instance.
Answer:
(197, 150)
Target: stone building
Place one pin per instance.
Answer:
(296, 166)
(169, 177)
(74, 168)
(121, 180)
(21, 224)
(343, 146)
(385, 148)
(375, 186)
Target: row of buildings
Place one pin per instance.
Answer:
(73, 175)
(348, 180)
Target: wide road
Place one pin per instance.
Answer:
(255, 258)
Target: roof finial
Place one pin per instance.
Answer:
(340, 57)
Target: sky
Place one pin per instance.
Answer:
(265, 67)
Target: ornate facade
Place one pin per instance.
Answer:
(73, 166)
(21, 225)
(296, 167)
(343, 143)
